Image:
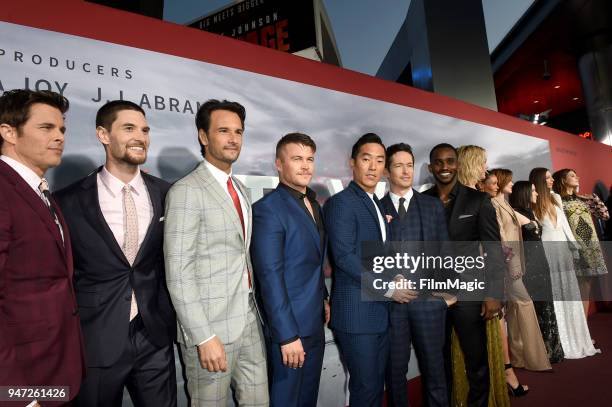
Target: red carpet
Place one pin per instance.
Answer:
(576, 383)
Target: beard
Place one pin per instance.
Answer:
(129, 158)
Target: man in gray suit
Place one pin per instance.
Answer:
(208, 268)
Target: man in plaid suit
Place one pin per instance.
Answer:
(208, 268)
(415, 220)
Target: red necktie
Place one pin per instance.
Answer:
(236, 200)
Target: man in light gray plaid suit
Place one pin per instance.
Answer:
(208, 268)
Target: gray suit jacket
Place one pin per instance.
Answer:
(206, 256)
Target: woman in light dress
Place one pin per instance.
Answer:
(561, 249)
(525, 341)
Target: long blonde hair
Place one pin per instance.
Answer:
(471, 160)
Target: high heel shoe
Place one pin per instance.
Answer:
(519, 390)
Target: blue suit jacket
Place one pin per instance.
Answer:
(350, 218)
(288, 266)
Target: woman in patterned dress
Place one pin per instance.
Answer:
(591, 261)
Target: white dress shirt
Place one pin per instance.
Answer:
(381, 219)
(221, 177)
(28, 175)
(395, 199)
(110, 197)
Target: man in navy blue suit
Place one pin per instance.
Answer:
(287, 250)
(353, 216)
(418, 222)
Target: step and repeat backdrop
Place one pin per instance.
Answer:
(171, 88)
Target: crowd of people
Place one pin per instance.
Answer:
(99, 279)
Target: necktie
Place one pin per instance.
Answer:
(130, 237)
(236, 200)
(402, 208)
(43, 187)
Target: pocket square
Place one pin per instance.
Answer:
(465, 216)
(162, 218)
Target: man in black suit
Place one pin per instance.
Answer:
(115, 216)
(471, 218)
(417, 226)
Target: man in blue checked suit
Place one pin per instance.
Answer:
(287, 251)
(417, 226)
(353, 216)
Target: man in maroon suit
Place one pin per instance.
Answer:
(40, 337)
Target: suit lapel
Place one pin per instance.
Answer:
(306, 220)
(243, 191)
(221, 197)
(36, 203)
(369, 205)
(91, 209)
(43, 212)
(155, 199)
(458, 206)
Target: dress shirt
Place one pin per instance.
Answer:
(221, 177)
(395, 199)
(316, 211)
(381, 219)
(29, 176)
(110, 197)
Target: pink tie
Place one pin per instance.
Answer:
(130, 235)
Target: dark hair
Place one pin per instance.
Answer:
(559, 181)
(202, 119)
(295, 138)
(438, 147)
(107, 114)
(365, 139)
(545, 203)
(520, 198)
(15, 105)
(396, 148)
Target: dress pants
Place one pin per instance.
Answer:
(470, 327)
(422, 322)
(246, 371)
(147, 371)
(296, 387)
(365, 356)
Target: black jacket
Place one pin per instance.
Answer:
(104, 279)
(473, 219)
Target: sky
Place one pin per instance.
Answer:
(365, 29)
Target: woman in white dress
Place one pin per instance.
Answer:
(573, 330)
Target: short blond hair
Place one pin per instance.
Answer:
(471, 159)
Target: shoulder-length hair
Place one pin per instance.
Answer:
(559, 185)
(504, 176)
(471, 160)
(520, 198)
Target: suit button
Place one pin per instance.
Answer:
(75, 311)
